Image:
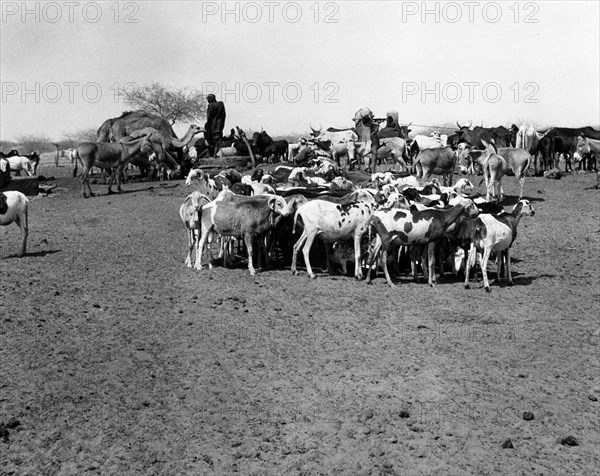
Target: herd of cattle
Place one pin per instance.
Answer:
(391, 218)
(394, 216)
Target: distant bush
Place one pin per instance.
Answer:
(26, 144)
(6, 146)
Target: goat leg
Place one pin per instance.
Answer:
(248, 239)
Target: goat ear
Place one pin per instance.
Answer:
(272, 203)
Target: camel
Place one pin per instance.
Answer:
(113, 156)
(114, 129)
(160, 144)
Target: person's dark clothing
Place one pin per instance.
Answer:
(215, 123)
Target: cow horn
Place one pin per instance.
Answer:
(547, 132)
(481, 123)
(459, 126)
(410, 124)
(470, 123)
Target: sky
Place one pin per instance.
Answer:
(283, 65)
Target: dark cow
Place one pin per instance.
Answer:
(265, 146)
(12, 153)
(228, 140)
(563, 140)
(235, 141)
(502, 136)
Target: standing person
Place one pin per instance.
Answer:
(368, 122)
(215, 123)
(392, 128)
(375, 144)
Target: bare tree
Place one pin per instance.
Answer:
(172, 104)
(72, 139)
(33, 143)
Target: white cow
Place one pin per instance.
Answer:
(18, 163)
(426, 142)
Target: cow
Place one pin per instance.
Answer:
(421, 142)
(529, 138)
(396, 148)
(337, 141)
(563, 140)
(435, 161)
(502, 136)
(266, 147)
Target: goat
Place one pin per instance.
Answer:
(191, 213)
(205, 184)
(413, 227)
(247, 216)
(496, 233)
(14, 207)
(242, 189)
(347, 219)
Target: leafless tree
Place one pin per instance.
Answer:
(27, 144)
(184, 105)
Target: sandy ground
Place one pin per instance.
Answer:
(117, 359)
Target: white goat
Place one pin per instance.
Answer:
(14, 207)
(345, 220)
(205, 184)
(496, 233)
(191, 215)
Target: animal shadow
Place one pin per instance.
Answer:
(520, 280)
(35, 254)
(511, 201)
(146, 189)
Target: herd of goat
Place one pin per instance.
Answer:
(376, 223)
(391, 218)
